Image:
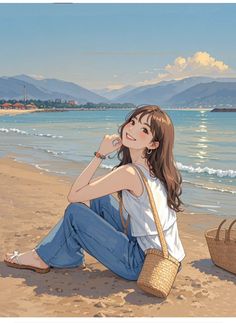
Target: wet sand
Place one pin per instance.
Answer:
(32, 202)
(13, 112)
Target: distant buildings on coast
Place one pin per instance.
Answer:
(25, 105)
(18, 106)
(59, 105)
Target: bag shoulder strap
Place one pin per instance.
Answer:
(125, 224)
(155, 213)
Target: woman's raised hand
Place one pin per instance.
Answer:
(109, 144)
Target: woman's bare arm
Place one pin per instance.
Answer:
(93, 180)
(82, 190)
(109, 144)
(84, 178)
(123, 177)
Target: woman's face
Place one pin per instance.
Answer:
(137, 135)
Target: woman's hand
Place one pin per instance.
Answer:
(109, 144)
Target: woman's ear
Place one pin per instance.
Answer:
(154, 145)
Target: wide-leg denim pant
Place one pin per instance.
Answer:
(98, 230)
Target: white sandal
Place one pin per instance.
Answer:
(17, 264)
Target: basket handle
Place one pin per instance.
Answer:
(217, 238)
(227, 232)
(155, 213)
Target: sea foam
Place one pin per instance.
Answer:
(207, 170)
(22, 132)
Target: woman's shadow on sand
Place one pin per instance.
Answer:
(90, 282)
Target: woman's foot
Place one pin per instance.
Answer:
(29, 259)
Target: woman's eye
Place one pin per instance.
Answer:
(133, 122)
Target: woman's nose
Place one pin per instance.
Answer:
(131, 126)
(131, 130)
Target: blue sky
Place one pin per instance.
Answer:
(113, 45)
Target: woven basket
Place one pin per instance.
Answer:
(158, 273)
(222, 246)
(159, 269)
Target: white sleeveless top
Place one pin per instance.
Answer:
(142, 221)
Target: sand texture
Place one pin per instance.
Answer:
(33, 201)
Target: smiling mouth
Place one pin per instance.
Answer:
(129, 137)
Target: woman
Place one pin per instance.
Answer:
(92, 220)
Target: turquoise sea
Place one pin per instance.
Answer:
(205, 149)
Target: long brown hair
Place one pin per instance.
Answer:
(161, 160)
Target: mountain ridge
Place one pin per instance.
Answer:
(46, 89)
(191, 91)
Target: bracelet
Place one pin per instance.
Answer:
(98, 155)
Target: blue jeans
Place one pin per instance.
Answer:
(97, 230)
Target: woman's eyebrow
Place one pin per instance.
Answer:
(143, 123)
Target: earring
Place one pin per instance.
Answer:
(149, 151)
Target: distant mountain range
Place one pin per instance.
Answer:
(45, 89)
(191, 92)
(213, 93)
(113, 94)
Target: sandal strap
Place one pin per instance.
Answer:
(15, 256)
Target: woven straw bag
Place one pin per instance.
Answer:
(159, 269)
(222, 246)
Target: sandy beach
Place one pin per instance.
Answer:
(14, 112)
(32, 202)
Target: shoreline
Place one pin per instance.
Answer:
(12, 112)
(191, 208)
(33, 201)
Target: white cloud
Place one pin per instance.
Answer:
(146, 72)
(200, 64)
(37, 77)
(115, 86)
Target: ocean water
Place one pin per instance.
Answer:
(205, 149)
